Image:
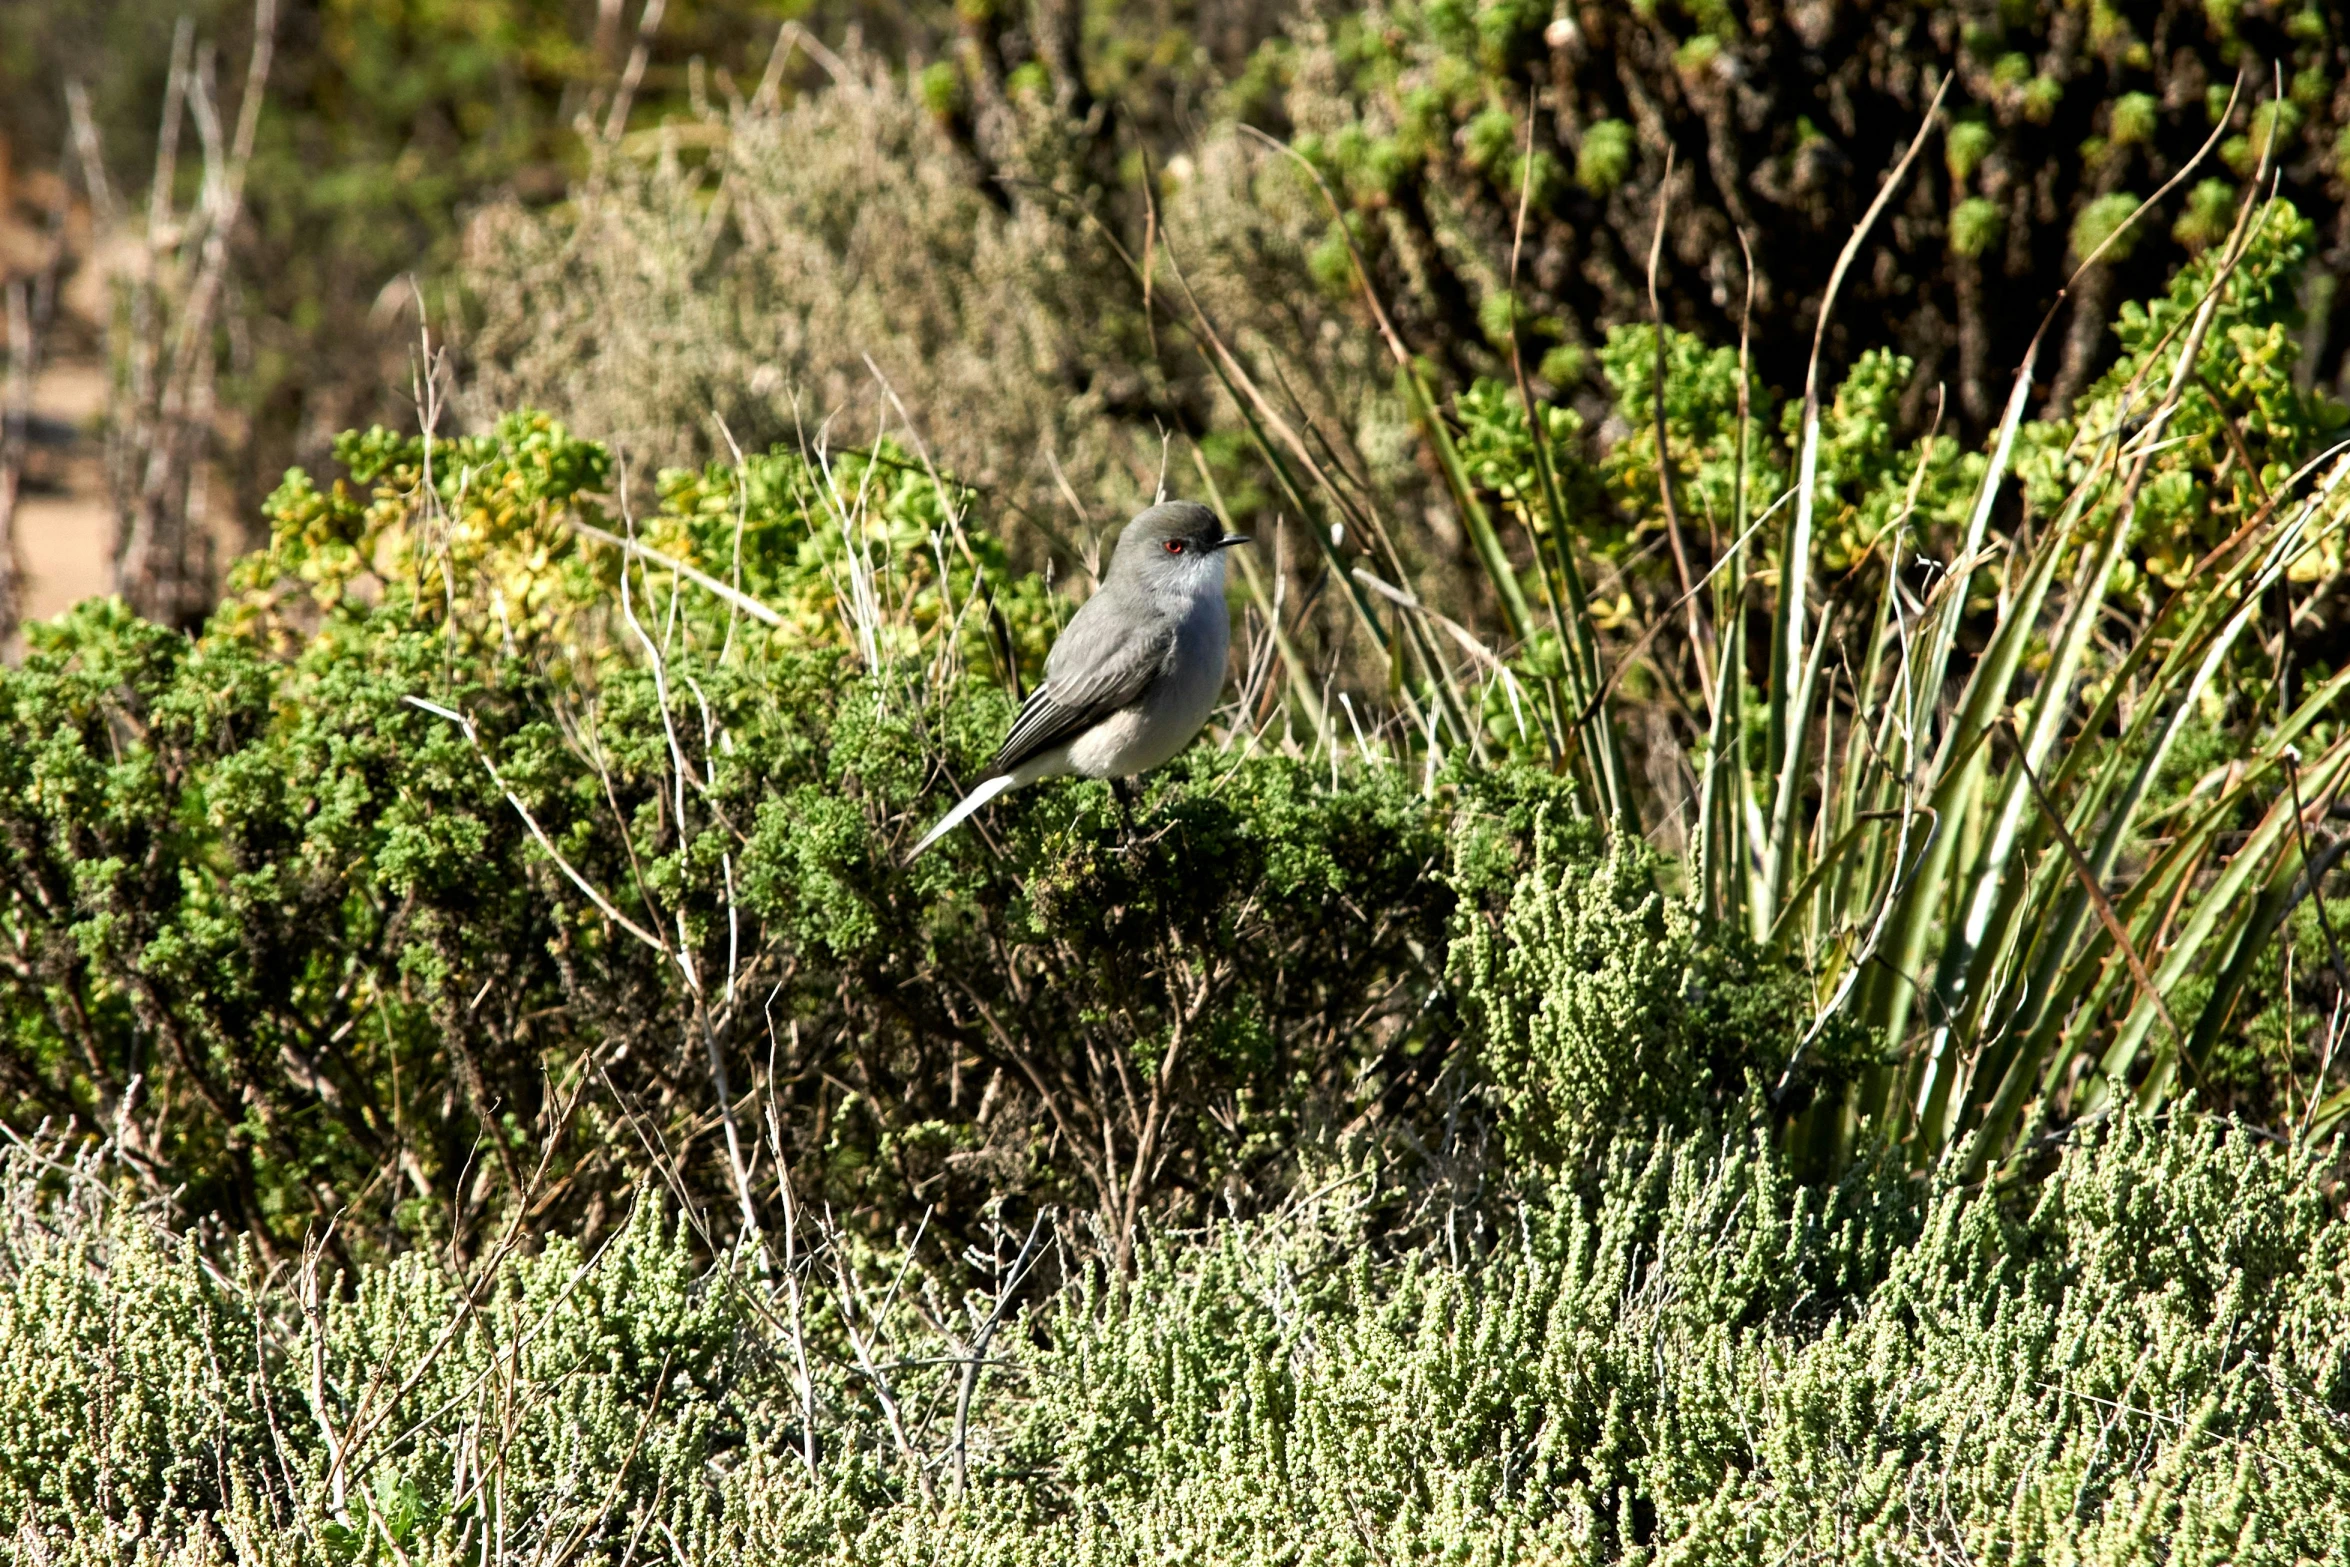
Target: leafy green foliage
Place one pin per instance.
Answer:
(278, 928)
(2244, 392)
(1701, 426)
(1861, 811)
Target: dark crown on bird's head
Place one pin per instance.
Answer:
(1175, 529)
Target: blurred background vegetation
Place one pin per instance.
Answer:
(638, 213)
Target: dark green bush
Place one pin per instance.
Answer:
(288, 939)
(276, 930)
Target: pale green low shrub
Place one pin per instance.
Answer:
(1687, 1356)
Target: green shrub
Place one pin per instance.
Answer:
(279, 929)
(2198, 490)
(1684, 1353)
(1598, 1004)
(276, 925)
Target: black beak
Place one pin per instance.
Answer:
(1230, 539)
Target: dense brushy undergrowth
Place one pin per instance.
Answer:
(508, 1096)
(629, 881)
(496, 885)
(1682, 1356)
(1461, 1233)
(1599, 1002)
(1809, 699)
(278, 932)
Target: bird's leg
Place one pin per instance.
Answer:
(1120, 792)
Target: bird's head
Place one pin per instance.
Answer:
(1176, 543)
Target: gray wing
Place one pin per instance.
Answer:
(1103, 663)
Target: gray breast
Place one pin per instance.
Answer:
(1156, 729)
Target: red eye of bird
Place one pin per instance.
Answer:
(1174, 546)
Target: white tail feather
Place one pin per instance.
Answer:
(971, 802)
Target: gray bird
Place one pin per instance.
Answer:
(1137, 670)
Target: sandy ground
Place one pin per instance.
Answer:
(64, 524)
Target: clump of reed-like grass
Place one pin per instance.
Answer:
(1937, 783)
